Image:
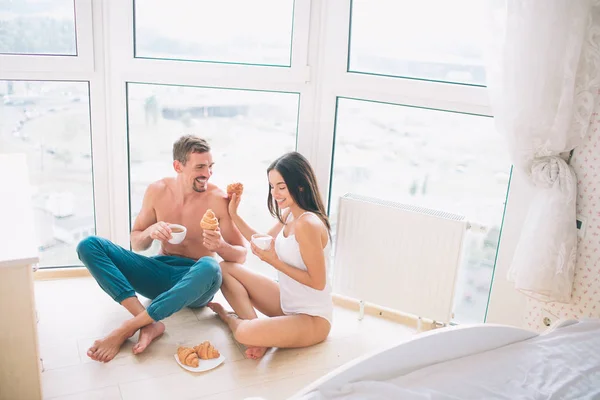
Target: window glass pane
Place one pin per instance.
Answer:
(440, 160)
(428, 39)
(42, 27)
(246, 130)
(50, 123)
(231, 31)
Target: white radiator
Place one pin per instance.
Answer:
(401, 257)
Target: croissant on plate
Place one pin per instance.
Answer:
(236, 188)
(206, 351)
(209, 221)
(188, 356)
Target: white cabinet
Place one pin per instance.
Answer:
(20, 375)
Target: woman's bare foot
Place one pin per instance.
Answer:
(255, 352)
(147, 334)
(106, 349)
(232, 320)
(220, 310)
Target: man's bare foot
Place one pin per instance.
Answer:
(255, 352)
(147, 334)
(106, 349)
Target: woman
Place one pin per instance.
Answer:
(300, 306)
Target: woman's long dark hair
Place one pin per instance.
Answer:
(301, 182)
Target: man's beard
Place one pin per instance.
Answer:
(197, 188)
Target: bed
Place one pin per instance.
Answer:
(474, 362)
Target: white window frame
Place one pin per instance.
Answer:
(124, 68)
(87, 66)
(505, 305)
(83, 61)
(318, 72)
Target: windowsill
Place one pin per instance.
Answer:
(386, 313)
(44, 274)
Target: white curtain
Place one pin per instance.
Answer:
(543, 79)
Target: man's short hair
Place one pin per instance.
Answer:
(189, 144)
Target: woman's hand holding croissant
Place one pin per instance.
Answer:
(234, 203)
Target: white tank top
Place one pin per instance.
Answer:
(297, 298)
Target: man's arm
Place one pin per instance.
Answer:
(146, 228)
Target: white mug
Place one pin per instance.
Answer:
(177, 237)
(262, 241)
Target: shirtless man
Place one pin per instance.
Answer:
(185, 274)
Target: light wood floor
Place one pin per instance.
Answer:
(74, 312)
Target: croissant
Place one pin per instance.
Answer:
(209, 221)
(236, 188)
(187, 356)
(206, 351)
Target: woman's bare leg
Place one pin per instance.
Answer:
(299, 330)
(245, 290)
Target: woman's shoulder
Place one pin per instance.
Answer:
(309, 222)
(309, 227)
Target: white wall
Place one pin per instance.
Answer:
(585, 300)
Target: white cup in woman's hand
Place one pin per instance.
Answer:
(262, 241)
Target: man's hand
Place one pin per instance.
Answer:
(160, 231)
(213, 240)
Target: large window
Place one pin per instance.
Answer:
(41, 27)
(426, 39)
(247, 130)
(441, 160)
(50, 123)
(384, 97)
(231, 31)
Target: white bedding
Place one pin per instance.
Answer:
(561, 364)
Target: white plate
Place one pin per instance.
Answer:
(203, 365)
